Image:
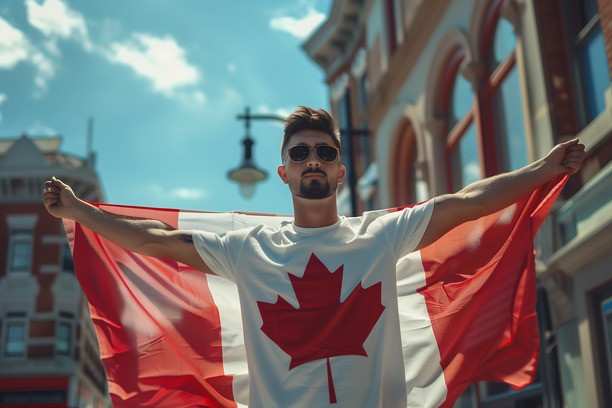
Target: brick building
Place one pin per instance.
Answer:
(48, 352)
(432, 95)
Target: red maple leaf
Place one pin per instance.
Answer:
(322, 327)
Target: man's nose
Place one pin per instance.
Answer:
(313, 160)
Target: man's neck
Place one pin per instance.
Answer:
(315, 213)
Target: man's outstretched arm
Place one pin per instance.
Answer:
(496, 193)
(144, 236)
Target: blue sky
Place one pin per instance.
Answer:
(163, 81)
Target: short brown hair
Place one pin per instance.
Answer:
(305, 118)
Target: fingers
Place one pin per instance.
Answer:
(54, 184)
(569, 143)
(574, 155)
(51, 191)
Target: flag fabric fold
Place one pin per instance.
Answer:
(171, 336)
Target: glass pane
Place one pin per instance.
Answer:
(588, 9)
(595, 75)
(465, 164)
(63, 338)
(21, 254)
(462, 99)
(505, 41)
(15, 336)
(67, 261)
(512, 145)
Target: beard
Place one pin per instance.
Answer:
(315, 190)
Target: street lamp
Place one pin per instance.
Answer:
(248, 174)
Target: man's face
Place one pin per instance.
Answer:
(312, 178)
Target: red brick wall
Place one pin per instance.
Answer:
(605, 15)
(43, 254)
(553, 41)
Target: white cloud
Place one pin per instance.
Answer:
(282, 112)
(45, 70)
(231, 68)
(298, 27)
(14, 45)
(55, 19)
(187, 193)
(179, 193)
(38, 129)
(15, 48)
(160, 60)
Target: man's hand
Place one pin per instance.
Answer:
(145, 236)
(495, 193)
(59, 199)
(565, 157)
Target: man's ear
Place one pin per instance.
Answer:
(341, 173)
(282, 173)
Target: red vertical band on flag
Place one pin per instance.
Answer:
(157, 325)
(481, 294)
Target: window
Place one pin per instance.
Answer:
(462, 143)
(64, 338)
(404, 173)
(602, 313)
(590, 60)
(67, 261)
(508, 112)
(14, 342)
(20, 250)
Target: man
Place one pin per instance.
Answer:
(353, 358)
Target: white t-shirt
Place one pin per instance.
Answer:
(319, 307)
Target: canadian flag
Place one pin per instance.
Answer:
(171, 336)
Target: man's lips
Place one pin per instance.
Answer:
(307, 174)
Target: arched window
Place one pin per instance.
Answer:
(504, 90)
(403, 170)
(463, 155)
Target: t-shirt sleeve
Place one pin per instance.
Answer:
(406, 228)
(217, 250)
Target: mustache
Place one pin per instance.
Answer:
(313, 170)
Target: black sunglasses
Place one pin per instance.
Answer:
(325, 153)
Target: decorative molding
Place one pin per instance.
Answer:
(50, 269)
(22, 221)
(53, 239)
(512, 10)
(452, 41)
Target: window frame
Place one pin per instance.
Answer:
(69, 339)
(20, 236)
(6, 340)
(579, 33)
(603, 360)
(455, 131)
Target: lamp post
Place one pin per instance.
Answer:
(248, 174)
(349, 135)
